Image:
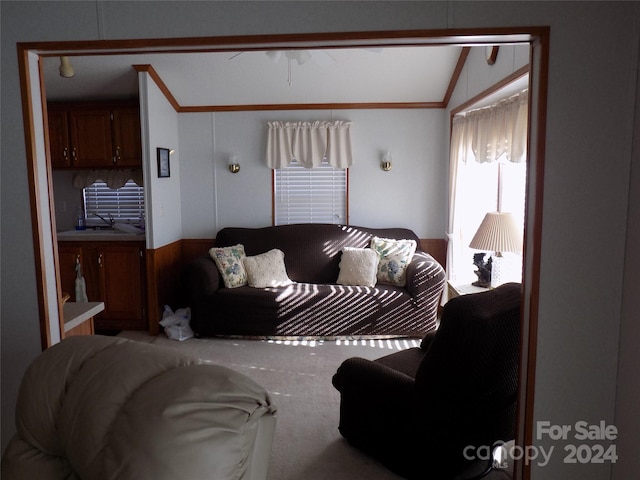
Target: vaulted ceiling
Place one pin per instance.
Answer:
(420, 74)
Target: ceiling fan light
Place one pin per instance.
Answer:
(66, 70)
(274, 55)
(302, 56)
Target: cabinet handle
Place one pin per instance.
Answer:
(74, 153)
(65, 153)
(117, 154)
(100, 260)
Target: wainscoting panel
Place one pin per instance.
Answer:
(164, 267)
(437, 248)
(193, 248)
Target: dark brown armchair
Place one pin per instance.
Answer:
(423, 412)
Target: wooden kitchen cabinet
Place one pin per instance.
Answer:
(114, 274)
(120, 277)
(69, 256)
(126, 137)
(59, 142)
(91, 139)
(94, 135)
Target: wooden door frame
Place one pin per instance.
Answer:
(536, 37)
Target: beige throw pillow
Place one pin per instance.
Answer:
(358, 266)
(267, 270)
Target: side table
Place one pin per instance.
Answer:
(465, 289)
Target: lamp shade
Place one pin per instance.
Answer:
(498, 232)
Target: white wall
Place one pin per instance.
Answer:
(411, 195)
(477, 76)
(162, 195)
(198, 176)
(590, 123)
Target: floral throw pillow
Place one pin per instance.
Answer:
(395, 255)
(229, 261)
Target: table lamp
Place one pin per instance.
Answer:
(497, 233)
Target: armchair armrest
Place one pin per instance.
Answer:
(375, 401)
(365, 377)
(426, 341)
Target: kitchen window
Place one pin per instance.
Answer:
(122, 205)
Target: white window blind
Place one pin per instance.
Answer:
(310, 195)
(124, 203)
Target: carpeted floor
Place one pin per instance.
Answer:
(307, 444)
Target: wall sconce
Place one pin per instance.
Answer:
(65, 69)
(385, 163)
(234, 166)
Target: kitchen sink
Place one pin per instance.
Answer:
(118, 230)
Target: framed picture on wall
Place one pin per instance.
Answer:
(164, 169)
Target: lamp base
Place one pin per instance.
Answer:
(483, 271)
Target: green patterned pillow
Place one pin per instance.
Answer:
(229, 261)
(395, 255)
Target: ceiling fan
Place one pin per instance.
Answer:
(320, 57)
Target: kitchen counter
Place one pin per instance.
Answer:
(75, 314)
(122, 233)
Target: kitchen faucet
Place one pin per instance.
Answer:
(111, 222)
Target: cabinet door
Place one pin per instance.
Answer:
(120, 276)
(68, 257)
(126, 137)
(91, 138)
(59, 139)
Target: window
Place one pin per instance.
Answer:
(483, 188)
(487, 174)
(310, 195)
(124, 204)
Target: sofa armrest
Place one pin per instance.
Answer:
(200, 278)
(425, 278)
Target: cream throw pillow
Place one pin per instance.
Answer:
(229, 263)
(395, 255)
(358, 266)
(267, 270)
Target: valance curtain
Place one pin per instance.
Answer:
(494, 133)
(113, 178)
(499, 130)
(308, 143)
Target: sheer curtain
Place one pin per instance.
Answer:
(309, 143)
(487, 173)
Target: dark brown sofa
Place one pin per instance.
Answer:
(314, 305)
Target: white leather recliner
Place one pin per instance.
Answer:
(95, 408)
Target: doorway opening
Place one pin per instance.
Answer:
(39, 169)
